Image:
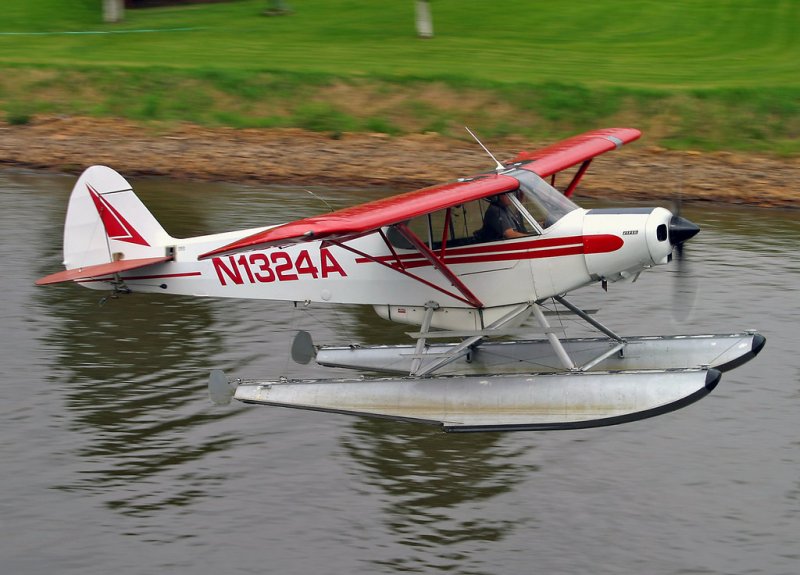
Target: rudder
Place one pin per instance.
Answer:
(107, 222)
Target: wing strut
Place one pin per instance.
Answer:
(398, 267)
(438, 264)
(577, 178)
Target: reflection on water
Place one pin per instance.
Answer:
(130, 374)
(129, 370)
(109, 434)
(434, 485)
(133, 367)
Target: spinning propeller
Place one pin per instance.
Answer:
(681, 230)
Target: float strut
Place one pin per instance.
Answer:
(464, 347)
(562, 354)
(430, 307)
(588, 319)
(590, 364)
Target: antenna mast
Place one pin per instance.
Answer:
(321, 200)
(498, 166)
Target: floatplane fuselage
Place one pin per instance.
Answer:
(429, 258)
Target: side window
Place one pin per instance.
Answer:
(455, 226)
(467, 220)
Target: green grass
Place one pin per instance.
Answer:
(714, 74)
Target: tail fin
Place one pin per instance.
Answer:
(106, 222)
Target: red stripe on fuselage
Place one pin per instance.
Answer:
(504, 257)
(523, 250)
(602, 243)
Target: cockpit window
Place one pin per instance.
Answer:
(530, 210)
(545, 203)
(453, 227)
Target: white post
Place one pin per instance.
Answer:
(113, 10)
(424, 19)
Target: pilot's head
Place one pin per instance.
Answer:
(503, 199)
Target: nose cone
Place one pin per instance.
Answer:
(680, 230)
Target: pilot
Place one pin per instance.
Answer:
(501, 221)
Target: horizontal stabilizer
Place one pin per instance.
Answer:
(100, 270)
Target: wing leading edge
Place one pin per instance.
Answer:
(358, 220)
(572, 151)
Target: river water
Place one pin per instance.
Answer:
(114, 461)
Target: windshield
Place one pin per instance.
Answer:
(545, 203)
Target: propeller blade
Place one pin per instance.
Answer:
(685, 293)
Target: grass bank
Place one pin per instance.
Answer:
(712, 75)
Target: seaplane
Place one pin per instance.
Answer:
(470, 264)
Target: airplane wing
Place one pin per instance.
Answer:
(358, 220)
(99, 270)
(572, 151)
(364, 218)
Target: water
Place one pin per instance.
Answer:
(114, 461)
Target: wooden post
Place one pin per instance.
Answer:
(113, 10)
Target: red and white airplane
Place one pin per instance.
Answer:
(438, 258)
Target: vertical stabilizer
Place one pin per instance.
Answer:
(107, 222)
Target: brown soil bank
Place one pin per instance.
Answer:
(640, 171)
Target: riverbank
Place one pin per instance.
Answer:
(402, 163)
